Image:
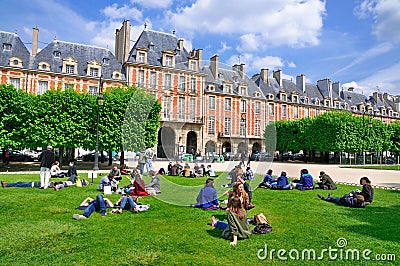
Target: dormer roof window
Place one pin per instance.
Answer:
(57, 54)
(7, 46)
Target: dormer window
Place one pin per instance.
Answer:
(193, 65)
(141, 57)
(306, 100)
(317, 102)
(106, 61)
(70, 66)
(295, 99)
(57, 54)
(283, 97)
(15, 61)
(94, 69)
(270, 96)
(94, 72)
(116, 75)
(227, 88)
(211, 88)
(243, 90)
(220, 76)
(7, 46)
(336, 104)
(326, 103)
(44, 66)
(168, 60)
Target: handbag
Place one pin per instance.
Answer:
(260, 219)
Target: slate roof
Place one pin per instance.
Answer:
(18, 49)
(232, 77)
(159, 42)
(80, 52)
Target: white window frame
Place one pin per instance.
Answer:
(182, 83)
(167, 81)
(211, 125)
(228, 104)
(192, 108)
(16, 82)
(181, 108)
(211, 102)
(166, 107)
(140, 81)
(227, 126)
(153, 79)
(257, 107)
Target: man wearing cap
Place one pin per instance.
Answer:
(46, 159)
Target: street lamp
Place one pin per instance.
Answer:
(100, 102)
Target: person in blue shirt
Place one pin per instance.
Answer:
(268, 180)
(207, 197)
(282, 182)
(306, 181)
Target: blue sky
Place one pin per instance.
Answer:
(354, 42)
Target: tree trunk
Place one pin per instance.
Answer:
(61, 153)
(122, 158)
(110, 158)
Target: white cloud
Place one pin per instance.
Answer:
(153, 3)
(272, 23)
(224, 47)
(367, 55)
(386, 15)
(114, 12)
(386, 80)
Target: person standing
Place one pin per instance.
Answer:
(149, 154)
(46, 159)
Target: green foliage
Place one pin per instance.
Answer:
(68, 118)
(336, 132)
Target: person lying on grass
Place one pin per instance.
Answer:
(97, 205)
(126, 202)
(353, 199)
(237, 226)
(55, 185)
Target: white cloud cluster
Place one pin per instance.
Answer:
(153, 3)
(386, 15)
(114, 12)
(258, 23)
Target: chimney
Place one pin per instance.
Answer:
(385, 96)
(214, 66)
(264, 75)
(35, 38)
(278, 76)
(380, 96)
(336, 87)
(122, 41)
(301, 83)
(180, 44)
(241, 70)
(200, 56)
(375, 96)
(351, 89)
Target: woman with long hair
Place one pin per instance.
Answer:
(367, 190)
(237, 226)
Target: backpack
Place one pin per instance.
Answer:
(262, 229)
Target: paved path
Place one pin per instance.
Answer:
(380, 178)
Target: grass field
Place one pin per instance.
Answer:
(38, 229)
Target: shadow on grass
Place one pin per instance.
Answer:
(215, 232)
(378, 222)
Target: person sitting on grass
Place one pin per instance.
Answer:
(326, 182)
(367, 190)
(282, 182)
(139, 187)
(237, 226)
(72, 173)
(207, 197)
(97, 205)
(116, 173)
(268, 180)
(249, 175)
(240, 191)
(124, 169)
(105, 181)
(155, 181)
(306, 181)
(353, 199)
(210, 172)
(55, 170)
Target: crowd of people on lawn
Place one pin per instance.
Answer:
(239, 190)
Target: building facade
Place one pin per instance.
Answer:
(205, 108)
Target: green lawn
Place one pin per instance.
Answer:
(38, 229)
